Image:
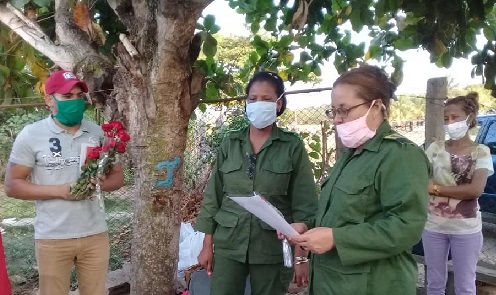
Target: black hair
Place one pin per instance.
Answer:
(275, 80)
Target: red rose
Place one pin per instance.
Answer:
(123, 136)
(116, 125)
(121, 147)
(107, 127)
(93, 153)
(111, 142)
(106, 147)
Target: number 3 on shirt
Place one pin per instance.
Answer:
(55, 145)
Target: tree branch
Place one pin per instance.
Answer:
(67, 32)
(125, 12)
(35, 37)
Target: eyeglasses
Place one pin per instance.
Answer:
(250, 168)
(342, 112)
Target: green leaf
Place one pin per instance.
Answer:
(209, 22)
(305, 56)
(314, 155)
(255, 27)
(254, 57)
(4, 71)
(271, 23)
(404, 44)
(215, 29)
(19, 4)
(210, 46)
(489, 33)
(285, 41)
(202, 107)
(447, 60)
(211, 91)
(42, 3)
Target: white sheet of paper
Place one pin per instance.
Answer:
(262, 209)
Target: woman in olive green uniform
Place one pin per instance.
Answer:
(373, 206)
(265, 159)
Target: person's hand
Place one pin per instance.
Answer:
(301, 274)
(300, 227)
(431, 187)
(99, 177)
(206, 258)
(317, 240)
(64, 192)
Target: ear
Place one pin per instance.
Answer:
(472, 120)
(50, 101)
(279, 105)
(378, 107)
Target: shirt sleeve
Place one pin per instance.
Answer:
(302, 188)
(22, 151)
(212, 198)
(484, 159)
(403, 200)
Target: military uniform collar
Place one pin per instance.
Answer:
(375, 142)
(275, 134)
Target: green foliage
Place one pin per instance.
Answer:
(16, 82)
(486, 101)
(10, 126)
(446, 29)
(321, 150)
(407, 108)
(235, 119)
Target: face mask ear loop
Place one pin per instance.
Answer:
(373, 102)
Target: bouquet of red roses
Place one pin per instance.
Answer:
(100, 159)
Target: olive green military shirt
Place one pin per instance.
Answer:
(281, 173)
(375, 199)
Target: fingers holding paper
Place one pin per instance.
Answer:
(300, 227)
(317, 240)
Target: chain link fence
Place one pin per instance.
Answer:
(206, 130)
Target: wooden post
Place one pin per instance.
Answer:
(437, 91)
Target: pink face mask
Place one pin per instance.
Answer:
(355, 133)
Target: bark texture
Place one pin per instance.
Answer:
(153, 93)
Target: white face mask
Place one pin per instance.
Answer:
(457, 130)
(262, 113)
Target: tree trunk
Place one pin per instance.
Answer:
(154, 98)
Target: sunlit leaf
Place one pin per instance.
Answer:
(210, 46)
(314, 155)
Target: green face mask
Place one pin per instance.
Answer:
(70, 112)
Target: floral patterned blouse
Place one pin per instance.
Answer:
(448, 215)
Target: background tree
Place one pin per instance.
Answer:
(140, 59)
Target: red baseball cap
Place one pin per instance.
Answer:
(62, 82)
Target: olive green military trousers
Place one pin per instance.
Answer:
(229, 277)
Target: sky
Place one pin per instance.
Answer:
(416, 69)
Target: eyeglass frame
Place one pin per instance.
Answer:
(334, 112)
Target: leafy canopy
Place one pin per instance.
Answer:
(295, 37)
